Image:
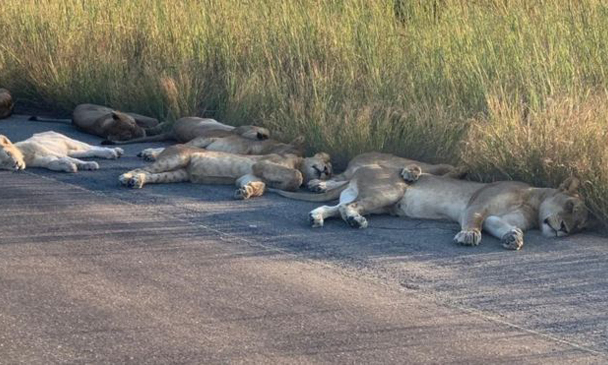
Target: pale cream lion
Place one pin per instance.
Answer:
(52, 151)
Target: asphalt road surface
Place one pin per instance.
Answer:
(91, 272)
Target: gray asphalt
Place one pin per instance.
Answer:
(91, 272)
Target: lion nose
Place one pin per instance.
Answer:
(563, 227)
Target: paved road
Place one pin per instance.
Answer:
(94, 273)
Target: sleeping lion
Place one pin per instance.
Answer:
(251, 173)
(188, 128)
(105, 122)
(504, 209)
(52, 151)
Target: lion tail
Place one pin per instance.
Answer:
(311, 197)
(36, 118)
(156, 138)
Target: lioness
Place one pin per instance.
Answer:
(381, 160)
(504, 209)
(105, 122)
(53, 151)
(250, 172)
(236, 144)
(188, 128)
(6, 104)
(111, 124)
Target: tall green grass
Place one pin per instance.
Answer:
(511, 88)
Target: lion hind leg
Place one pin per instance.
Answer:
(167, 163)
(277, 176)
(201, 142)
(94, 151)
(55, 163)
(83, 165)
(353, 213)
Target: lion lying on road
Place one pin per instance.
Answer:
(6, 104)
(111, 124)
(503, 209)
(382, 160)
(236, 144)
(188, 128)
(105, 122)
(251, 173)
(53, 151)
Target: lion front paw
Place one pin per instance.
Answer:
(135, 181)
(148, 155)
(356, 221)
(317, 186)
(118, 152)
(243, 193)
(69, 167)
(513, 240)
(124, 178)
(315, 219)
(468, 238)
(89, 166)
(411, 173)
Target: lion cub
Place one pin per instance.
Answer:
(251, 173)
(53, 151)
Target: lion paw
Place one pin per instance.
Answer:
(468, 238)
(315, 219)
(89, 166)
(135, 181)
(124, 178)
(513, 240)
(244, 192)
(356, 221)
(148, 155)
(411, 173)
(70, 167)
(317, 186)
(118, 152)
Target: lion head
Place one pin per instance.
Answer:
(11, 157)
(316, 167)
(563, 211)
(123, 127)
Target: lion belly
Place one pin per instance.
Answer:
(418, 203)
(436, 197)
(206, 168)
(44, 144)
(189, 128)
(231, 145)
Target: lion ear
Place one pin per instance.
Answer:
(570, 185)
(4, 141)
(116, 115)
(323, 156)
